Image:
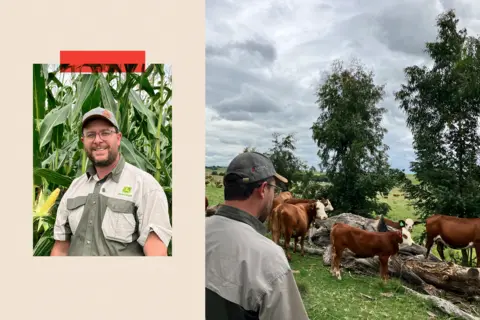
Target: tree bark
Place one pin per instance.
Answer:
(447, 276)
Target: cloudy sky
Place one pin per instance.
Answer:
(265, 58)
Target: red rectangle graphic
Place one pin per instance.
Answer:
(102, 61)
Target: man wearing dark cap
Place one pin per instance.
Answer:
(247, 275)
(115, 208)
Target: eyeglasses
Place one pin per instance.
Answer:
(277, 189)
(105, 134)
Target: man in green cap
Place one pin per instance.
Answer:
(247, 275)
(115, 208)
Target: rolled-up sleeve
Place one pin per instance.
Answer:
(153, 217)
(61, 229)
(283, 300)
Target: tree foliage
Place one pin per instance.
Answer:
(442, 104)
(349, 135)
(282, 155)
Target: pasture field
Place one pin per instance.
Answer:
(356, 296)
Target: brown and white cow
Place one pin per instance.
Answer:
(453, 232)
(407, 223)
(294, 218)
(365, 244)
(311, 230)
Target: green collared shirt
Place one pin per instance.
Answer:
(247, 275)
(112, 216)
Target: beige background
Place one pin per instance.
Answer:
(102, 288)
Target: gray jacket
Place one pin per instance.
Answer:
(247, 275)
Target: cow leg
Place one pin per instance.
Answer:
(333, 256)
(302, 242)
(275, 225)
(295, 239)
(286, 244)
(428, 245)
(440, 249)
(384, 267)
(336, 262)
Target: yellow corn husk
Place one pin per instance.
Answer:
(48, 204)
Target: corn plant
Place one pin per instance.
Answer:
(141, 103)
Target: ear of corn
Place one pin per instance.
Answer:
(43, 207)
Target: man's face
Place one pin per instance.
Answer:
(101, 143)
(269, 195)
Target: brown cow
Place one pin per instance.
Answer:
(365, 244)
(277, 201)
(295, 220)
(276, 227)
(453, 232)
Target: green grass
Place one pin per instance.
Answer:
(355, 296)
(214, 194)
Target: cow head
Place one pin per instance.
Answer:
(327, 204)
(407, 224)
(320, 208)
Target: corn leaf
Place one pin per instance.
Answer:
(52, 119)
(133, 156)
(53, 177)
(143, 110)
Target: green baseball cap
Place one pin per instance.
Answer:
(100, 113)
(252, 167)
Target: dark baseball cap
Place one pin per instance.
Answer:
(252, 167)
(100, 113)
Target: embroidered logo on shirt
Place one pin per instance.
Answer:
(126, 191)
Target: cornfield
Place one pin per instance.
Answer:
(142, 106)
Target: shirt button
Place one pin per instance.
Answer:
(90, 222)
(94, 202)
(88, 242)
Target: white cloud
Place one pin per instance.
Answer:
(264, 60)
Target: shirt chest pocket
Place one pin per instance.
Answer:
(75, 207)
(119, 222)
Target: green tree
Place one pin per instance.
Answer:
(442, 104)
(283, 157)
(349, 135)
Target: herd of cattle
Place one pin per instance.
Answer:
(293, 218)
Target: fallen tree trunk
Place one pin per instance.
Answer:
(447, 276)
(307, 249)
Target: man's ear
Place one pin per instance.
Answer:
(262, 189)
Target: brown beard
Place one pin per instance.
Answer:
(265, 212)
(112, 156)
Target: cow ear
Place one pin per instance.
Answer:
(416, 222)
(401, 223)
